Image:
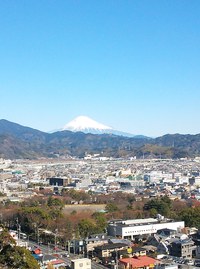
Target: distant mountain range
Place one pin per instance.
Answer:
(17, 141)
(89, 126)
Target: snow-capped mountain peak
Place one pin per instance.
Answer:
(87, 125)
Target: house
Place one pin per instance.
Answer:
(196, 239)
(182, 248)
(50, 260)
(57, 264)
(137, 251)
(81, 263)
(154, 240)
(141, 262)
(108, 252)
(36, 250)
(166, 232)
(163, 247)
(150, 249)
(95, 241)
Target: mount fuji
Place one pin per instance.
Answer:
(87, 125)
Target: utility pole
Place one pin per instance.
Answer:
(1, 218)
(38, 236)
(116, 259)
(55, 239)
(36, 233)
(18, 232)
(48, 247)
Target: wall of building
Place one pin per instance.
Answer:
(135, 230)
(81, 263)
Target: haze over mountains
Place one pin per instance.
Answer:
(17, 141)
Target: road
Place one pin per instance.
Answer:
(49, 250)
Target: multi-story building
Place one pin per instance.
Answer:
(107, 250)
(58, 181)
(182, 248)
(129, 229)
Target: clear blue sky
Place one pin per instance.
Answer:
(130, 64)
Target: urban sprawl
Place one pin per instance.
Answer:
(101, 212)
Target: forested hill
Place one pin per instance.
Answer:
(18, 141)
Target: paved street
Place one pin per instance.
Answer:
(49, 250)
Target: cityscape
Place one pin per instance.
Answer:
(99, 134)
(103, 212)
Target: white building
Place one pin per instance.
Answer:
(83, 263)
(155, 176)
(129, 229)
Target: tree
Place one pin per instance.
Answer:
(131, 199)
(162, 205)
(68, 229)
(191, 216)
(111, 207)
(86, 227)
(55, 202)
(32, 217)
(101, 222)
(6, 239)
(15, 257)
(153, 212)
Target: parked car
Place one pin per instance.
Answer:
(66, 255)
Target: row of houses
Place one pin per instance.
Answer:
(139, 243)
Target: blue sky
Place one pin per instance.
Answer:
(133, 65)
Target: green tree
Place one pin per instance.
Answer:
(162, 205)
(191, 216)
(12, 256)
(101, 222)
(131, 199)
(6, 239)
(86, 227)
(153, 212)
(17, 257)
(111, 207)
(32, 217)
(55, 202)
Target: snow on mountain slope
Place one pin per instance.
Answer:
(86, 125)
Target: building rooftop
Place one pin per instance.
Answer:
(138, 222)
(138, 262)
(111, 246)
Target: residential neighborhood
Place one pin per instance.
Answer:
(155, 241)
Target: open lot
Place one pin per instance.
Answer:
(83, 208)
